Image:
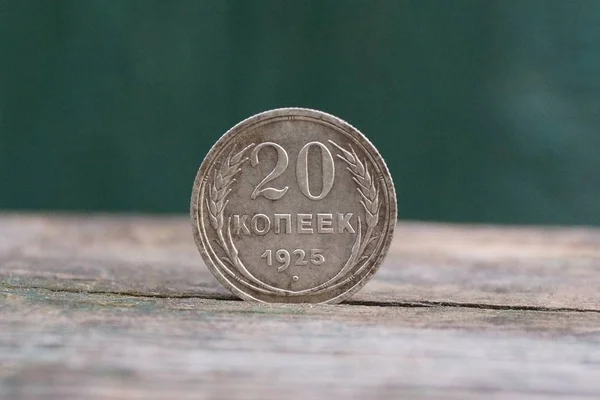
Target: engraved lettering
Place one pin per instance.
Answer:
(344, 222)
(267, 255)
(284, 258)
(304, 222)
(266, 224)
(316, 257)
(282, 163)
(301, 257)
(288, 223)
(327, 169)
(324, 222)
(239, 223)
(261, 224)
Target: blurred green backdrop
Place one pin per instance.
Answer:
(485, 111)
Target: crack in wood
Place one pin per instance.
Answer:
(483, 306)
(366, 303)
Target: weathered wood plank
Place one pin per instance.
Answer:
(79, 345)
(122, 307)
(489, 266)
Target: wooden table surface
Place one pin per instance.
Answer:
(122, 307)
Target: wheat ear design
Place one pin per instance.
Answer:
(220, 188)
(369, 193)
(216, 200)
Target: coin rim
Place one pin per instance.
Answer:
(282, 112)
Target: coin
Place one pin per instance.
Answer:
(293, 206)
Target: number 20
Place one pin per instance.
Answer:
(328, 170)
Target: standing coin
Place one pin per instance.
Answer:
(293, 206)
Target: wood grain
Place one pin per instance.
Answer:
(122, 307)
(525, 267)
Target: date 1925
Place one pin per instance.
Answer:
(284, 258)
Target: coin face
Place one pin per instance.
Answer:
(293, 206)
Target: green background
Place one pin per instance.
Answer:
(485, 111)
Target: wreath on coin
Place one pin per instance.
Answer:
(216, 202)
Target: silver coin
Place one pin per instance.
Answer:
(293, 206)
